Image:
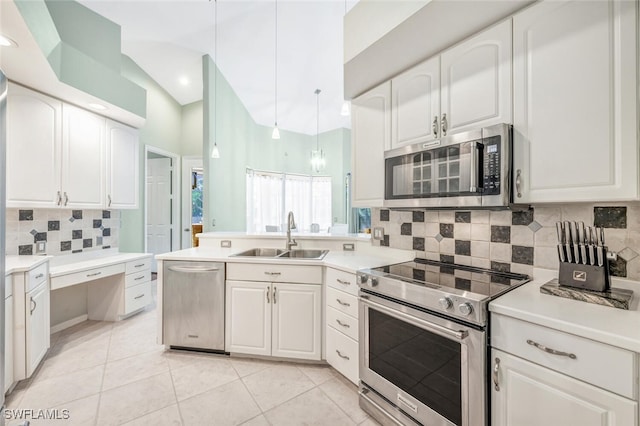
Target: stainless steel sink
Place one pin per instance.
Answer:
(260, 252)
(304, 254)
(310, 254)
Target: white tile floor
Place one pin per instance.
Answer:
(114, 374)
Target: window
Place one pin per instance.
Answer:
(271, 196)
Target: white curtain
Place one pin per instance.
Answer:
(321, 201)
(297, 199)
(264, 200)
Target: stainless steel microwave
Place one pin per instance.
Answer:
(469, 170)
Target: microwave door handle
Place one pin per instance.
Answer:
(473, 180)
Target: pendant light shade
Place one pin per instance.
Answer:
(215, 152)
(346, 109)
(317, 156)
(276, 133)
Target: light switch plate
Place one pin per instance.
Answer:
(378, 233)
(41, 247)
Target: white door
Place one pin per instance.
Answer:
(189, 166)
(476, 80)
(370, 137)
(248, 317)
(34, 134)
(531, 395)
(123, 166)
(416, 104)
(574, 75)
(8, 342)
(37, 326)
(297, 328)
(83, 154)
(159, 199)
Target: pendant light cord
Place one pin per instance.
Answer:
(317, 92)
(276, 64)
(215, 78)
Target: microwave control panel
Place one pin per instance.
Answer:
(492, 163)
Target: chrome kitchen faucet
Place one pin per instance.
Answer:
(291, 224)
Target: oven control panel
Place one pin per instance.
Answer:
(492, 166)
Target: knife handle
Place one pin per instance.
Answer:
(561, 255)
(592, 259)
(569, 253)
(583, 254)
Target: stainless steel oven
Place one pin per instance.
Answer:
(470, 169)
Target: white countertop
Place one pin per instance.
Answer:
(617, 327)
(97, 262)
(15, 263)
(295, 235)
(348, 261)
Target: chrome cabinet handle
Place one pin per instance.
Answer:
(342, 356)
(59, 199)
(192, 268)
(343, 303)
(139, 278)
(434, 126)
(268, 292)
(519, 183)
(35, 305)
(495, 375)
(66, 199)
(39, 276)
(139, 296)
(139, 265)
(343, 282)
(94, 274)
(343, 324)
(274, 295)
(272, 273)
(443, 124)
(109, 198)
(551, 351)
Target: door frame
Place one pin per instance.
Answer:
(188, 163)
(175, 197)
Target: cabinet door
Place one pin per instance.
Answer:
(296, 321)
(370, 137)
(8, 343)
(248, 317)
(37, 326)
(83, 165)
(530, 395)
(122, 166)
(476, 81)
(575, 131)
(34, 132)
(415, 104)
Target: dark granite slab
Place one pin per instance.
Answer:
(616, 297)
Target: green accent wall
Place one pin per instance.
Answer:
(191, 139)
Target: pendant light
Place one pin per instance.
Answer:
(317, 156)
(215, 153)
(276, 132)
(346, 105)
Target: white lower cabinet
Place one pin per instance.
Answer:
(8, 333)
(274, 319)
(37, 326)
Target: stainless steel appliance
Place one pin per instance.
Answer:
(470, 169)
(193, 305)
(3, 197)
(423, 341)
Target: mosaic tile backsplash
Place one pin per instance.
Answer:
(64, 231)
(514, 241)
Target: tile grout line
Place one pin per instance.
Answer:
(175, 394)
(104, 373)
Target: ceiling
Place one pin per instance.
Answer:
(167, 39)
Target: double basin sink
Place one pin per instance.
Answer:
(306, 254)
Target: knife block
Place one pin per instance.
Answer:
(586, 277)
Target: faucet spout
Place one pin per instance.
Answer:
(291, 224)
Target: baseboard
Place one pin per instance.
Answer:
(69, 323)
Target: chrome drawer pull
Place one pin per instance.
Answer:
(39, 276)
(343, 303)
(273, 273)
(342, 356)
(495, 375)
(551, 351)
(343, 324)
(139, 296)
(343, 282)
(139, 278)
(94, 274)
(140, 265)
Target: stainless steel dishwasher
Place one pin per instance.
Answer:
(193, 305)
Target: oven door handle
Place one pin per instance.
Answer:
(438, 329)
(473, 176)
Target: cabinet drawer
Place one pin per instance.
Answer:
(343, 302)
(597, 363)
(137, 278)
(342, 354)
(137, 297)
(138, 265)
(342, 281)
(342, 322)
(85, 276)
(37, 276)
(274, 273)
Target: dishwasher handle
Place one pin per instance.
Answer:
(193, 268)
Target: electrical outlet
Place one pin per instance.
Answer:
(225, 243)
(378, 233)
(348, 247)
(41, 247)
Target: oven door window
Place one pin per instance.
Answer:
(423, 364)
(438, 172)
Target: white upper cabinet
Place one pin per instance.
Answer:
(370, 137)
(34, 135)
(476, 81)
(122, 166)
(415, 106)
(83, 159)
(575, 108)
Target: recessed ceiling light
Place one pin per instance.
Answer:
(7, 42)
(183, 81)
(97, 106)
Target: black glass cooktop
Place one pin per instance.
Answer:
(439, 274)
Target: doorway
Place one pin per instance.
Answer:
(192, 200)
(162, 195)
